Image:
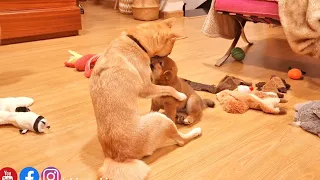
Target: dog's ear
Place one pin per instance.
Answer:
(169, 22)
(168, 75)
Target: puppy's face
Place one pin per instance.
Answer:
(156, 37)
(164, 70)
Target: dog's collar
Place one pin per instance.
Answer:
(36, 123)
(136, 41)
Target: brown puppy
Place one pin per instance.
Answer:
(164, 72)
(119, 78)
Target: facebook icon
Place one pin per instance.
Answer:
(29, 173)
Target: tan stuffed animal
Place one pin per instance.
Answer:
(239, 102)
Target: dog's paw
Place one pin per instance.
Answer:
(181, 96)
(196, 132)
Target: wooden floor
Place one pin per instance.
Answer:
(248, 146)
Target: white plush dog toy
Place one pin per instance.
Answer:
(15, 111)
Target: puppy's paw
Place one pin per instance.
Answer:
(196, 132)
(186, 121)
(181, 96)
(180, 119)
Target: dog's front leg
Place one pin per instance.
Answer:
(152, 91)
(154, 106)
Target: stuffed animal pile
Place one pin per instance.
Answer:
(237, 95)
(15, 111)
(307, 116)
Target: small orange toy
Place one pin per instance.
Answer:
(295, 73)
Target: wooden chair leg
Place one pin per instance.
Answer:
(233, 45)
(81, 9)
(244, 37)
(116, 4)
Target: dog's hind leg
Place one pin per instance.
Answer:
(158, 128)
(194, 109)
(184, 138)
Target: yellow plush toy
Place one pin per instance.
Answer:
(73, 59)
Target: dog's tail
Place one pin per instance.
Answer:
(131, 169)
(208, 103)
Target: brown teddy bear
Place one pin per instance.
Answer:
(275, 84)
(239, 102)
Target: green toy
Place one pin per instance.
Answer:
(238, 54)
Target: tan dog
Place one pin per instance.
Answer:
(164, 72)
(120, 77)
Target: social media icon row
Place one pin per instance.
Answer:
(30, 173)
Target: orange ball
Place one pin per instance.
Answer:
(295, 74)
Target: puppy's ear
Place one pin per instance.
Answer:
(169, 22)
(168, 75)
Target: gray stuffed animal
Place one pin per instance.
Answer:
(307, 116)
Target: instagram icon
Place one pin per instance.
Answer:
(50, 173)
